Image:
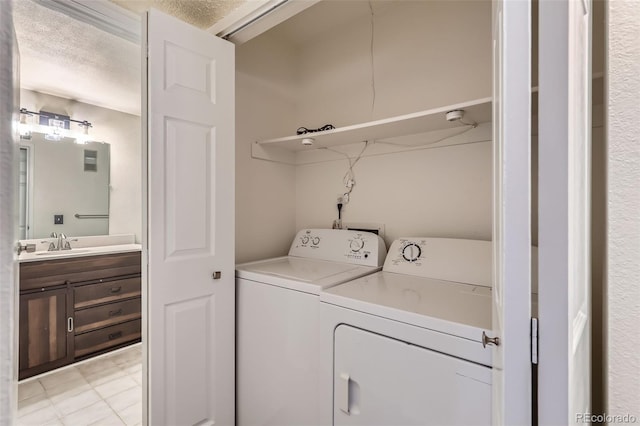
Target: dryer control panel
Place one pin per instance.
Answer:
(339, 245)
(449, 259)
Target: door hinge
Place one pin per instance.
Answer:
(534, 341)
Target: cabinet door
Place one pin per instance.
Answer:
(44, 337)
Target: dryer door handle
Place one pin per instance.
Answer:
(342, 392)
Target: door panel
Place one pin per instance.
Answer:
(192, 387)
(190, 232)
(512, 379)
(190, 219)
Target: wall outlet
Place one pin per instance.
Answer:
(58, 219)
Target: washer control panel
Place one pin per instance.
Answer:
(449, 259)
(411, 252)
(407, 251)
(357, 247)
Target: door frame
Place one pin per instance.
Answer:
(9, 322)
(28, 146)
(564, 373)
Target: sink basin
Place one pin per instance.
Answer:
(62, 252)
(78, 252)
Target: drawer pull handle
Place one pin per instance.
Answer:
(115, 335)
(70, 324)
(115, 313)
(116, 289)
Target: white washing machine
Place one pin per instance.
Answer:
(403, 346)
(277, 349)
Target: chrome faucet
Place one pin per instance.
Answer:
(52, 245)
(64, 242)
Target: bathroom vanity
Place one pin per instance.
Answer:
(78, 304)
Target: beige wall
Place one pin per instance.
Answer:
(623, 207)
(265, 192)
(425, 55)
(122, 132)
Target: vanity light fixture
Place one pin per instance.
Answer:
(54, 126)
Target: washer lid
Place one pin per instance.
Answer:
(309, 275)
(300, 269)
(457, 309)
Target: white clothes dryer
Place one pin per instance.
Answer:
(277, 349)
(404, 346)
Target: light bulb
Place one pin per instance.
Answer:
(84, 136)
(24, 128)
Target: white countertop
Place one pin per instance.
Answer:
(78, 252)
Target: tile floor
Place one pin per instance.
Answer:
(102, 391)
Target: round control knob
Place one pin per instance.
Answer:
(411, 252)
(316, 241)
(305, 240)
(356, 245)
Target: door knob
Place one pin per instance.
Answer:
(217, 275)
(486, 340)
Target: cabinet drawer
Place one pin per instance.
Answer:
(105, 315)
(104, 338)
(47, 273)
(110, 291)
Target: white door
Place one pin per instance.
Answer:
(564, 193)
(512, 211)
(9, 279)
(189, 241)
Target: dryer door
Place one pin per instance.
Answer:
(383, 381)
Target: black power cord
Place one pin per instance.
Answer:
(304, 130)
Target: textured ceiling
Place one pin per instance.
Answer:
(200, 13)
(64, 57)
(71, 59)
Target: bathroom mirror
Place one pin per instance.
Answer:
(64, 187)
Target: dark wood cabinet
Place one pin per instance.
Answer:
(46, 337)
(75, 308)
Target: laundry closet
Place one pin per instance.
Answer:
(349, 63)
(404, 89)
